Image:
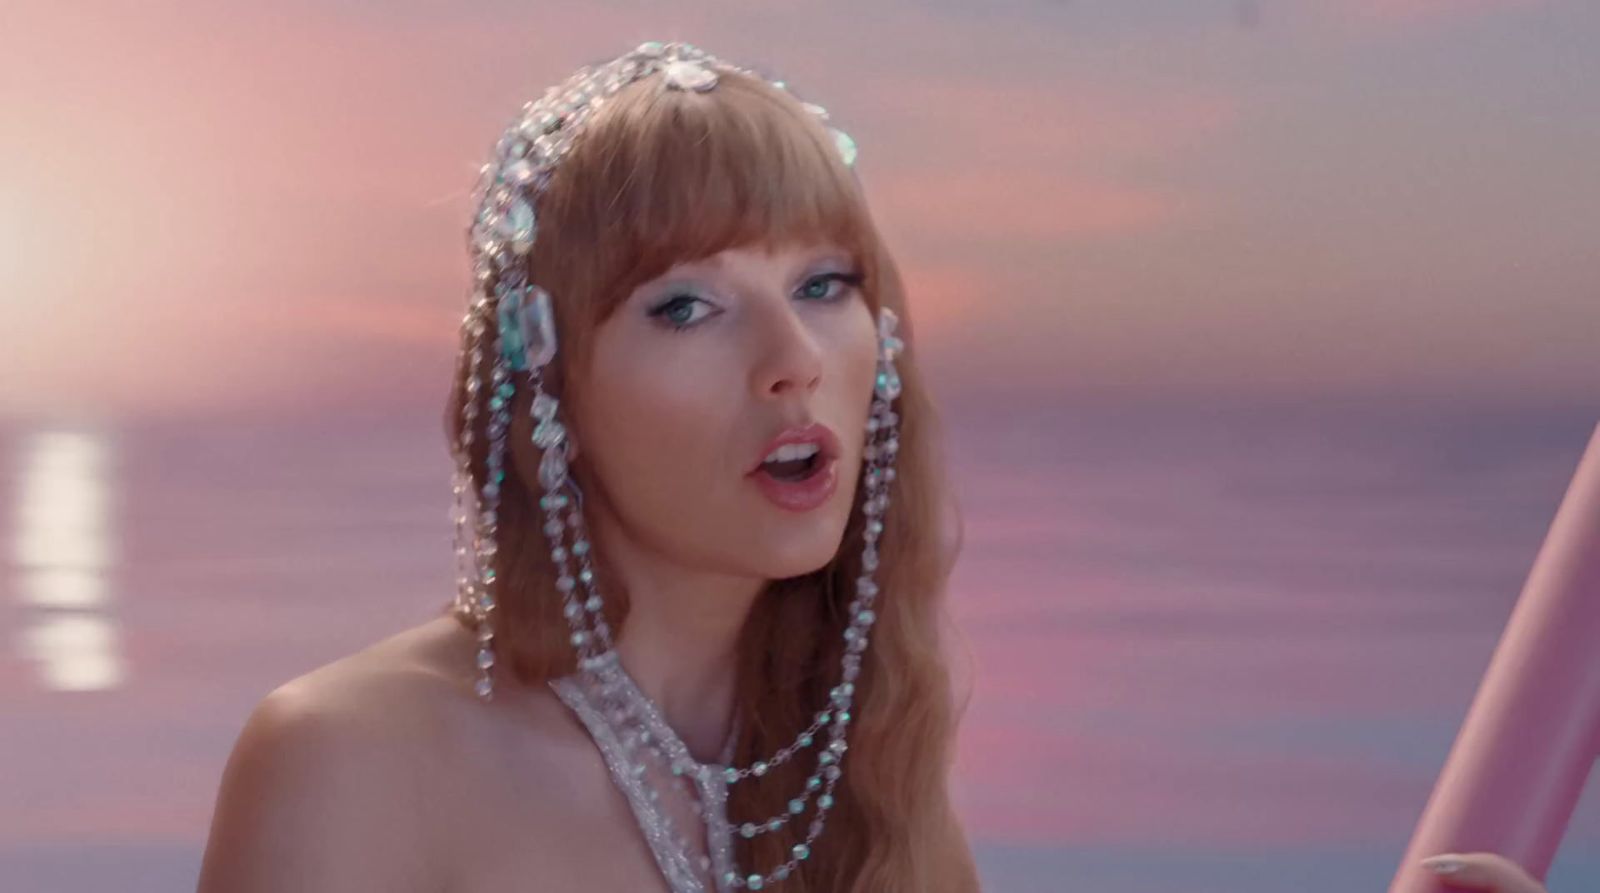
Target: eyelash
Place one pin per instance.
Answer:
(853, 280)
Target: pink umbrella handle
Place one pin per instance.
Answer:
(1531, 736)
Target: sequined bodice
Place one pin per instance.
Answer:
(614, 711)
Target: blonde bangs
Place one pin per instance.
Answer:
(665, 176)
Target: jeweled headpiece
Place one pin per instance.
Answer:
(513, 314)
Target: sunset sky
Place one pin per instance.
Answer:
(261, 206)
(1367, 225)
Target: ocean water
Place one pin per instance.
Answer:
(1210, 647)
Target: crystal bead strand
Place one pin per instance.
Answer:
(474, 599)
(488, 520)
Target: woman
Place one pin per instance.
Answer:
(727, 419)
(655, 675)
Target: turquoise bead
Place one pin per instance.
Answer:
(846, 145)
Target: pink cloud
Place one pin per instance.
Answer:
(1031, 207)
(1050, 118)
(964, 161)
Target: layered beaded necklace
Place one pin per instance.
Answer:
(643, 753)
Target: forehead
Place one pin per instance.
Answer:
(766, 254)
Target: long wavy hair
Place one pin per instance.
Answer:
(659, 177)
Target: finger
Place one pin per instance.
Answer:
(1484, 871)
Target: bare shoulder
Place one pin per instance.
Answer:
(339, 777)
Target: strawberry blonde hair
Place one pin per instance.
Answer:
(659, 177)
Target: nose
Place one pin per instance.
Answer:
(789, 358)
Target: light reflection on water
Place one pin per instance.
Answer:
(1186, 625)
(63, 552)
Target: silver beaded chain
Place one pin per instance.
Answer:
(518, 327)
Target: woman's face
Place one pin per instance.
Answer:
(693, 376)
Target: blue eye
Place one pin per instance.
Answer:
(669, 311)
(827, 280)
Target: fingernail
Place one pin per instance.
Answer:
(1443, 864)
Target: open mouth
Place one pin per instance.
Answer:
(799, 482)
(794, 470)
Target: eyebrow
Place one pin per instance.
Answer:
(715, 263)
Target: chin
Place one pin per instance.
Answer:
(800, 556)
(788, 571)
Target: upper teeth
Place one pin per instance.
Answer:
(792, 451)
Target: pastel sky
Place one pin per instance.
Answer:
(263, 205)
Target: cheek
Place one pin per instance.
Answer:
(859, 359)
(853, 367)
(656, 432)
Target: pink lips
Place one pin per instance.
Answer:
(801, 496)
(816, 433)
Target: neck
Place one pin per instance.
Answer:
(680, 639)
